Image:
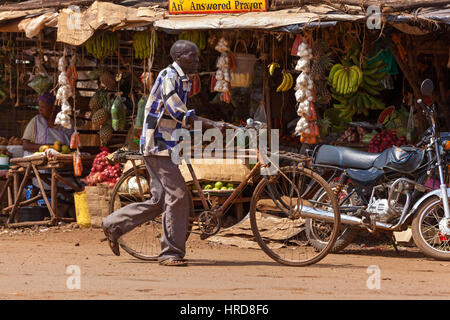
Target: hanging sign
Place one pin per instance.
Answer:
(216, 6)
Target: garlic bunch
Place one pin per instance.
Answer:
(223, 77)
(304, 95)
(304, 89)
(62, 95)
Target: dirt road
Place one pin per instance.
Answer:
(38, 264)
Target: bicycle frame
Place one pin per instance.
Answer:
(226, 205)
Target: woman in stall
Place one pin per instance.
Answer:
(41, 130)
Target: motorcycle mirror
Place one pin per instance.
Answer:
(427, 89)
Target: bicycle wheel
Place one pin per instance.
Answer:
(276, 219)
(143, 242)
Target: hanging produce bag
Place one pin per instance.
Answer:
(118, 114)
(141, 112)
(244, 73)
(40, 84)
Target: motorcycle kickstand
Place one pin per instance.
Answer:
(394, 243)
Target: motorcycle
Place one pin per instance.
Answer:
(398, 188)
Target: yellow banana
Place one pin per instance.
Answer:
(283, 83)
(272, 67)
(290, 82)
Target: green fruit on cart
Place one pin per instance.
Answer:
(215, 188)
(208, 187)
(230, 185)
(218, 185)
(224, 188)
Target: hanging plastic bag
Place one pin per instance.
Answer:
(118, 114)
(75, 140)
(40, 84)
(77, 164)
(141, 112)
(260, 113)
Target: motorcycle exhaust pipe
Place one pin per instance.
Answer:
(319, 214)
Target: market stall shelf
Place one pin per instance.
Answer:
(51, 170)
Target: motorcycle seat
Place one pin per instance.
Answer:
(345, 157)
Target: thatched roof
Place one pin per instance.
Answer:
(291, 15)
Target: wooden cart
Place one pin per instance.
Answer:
(58, 168)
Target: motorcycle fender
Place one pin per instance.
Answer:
(434, 193)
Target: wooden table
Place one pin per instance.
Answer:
(24, 169)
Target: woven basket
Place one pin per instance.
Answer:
(244, 73)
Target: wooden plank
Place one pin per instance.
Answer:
(29, 224)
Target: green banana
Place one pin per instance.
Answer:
(370, 81)
(379, 75)
(335, 80)
(333, 70)
(340, 106)
(368, 72)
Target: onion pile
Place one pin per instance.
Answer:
(103, 172)
(385, 140)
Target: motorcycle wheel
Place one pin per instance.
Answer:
(426, 233)
(317, 230)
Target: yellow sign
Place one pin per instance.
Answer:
(216, 6)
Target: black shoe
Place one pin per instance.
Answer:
(113, 245)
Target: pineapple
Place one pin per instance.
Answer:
(99, 117)
(108, 80)
(323, 94)
(320, 67)
(105, 133)
(98, 100)
(321, 60)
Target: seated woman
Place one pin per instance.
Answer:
(41, 129)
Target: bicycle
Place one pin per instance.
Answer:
(275, 209)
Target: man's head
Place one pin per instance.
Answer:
(185, 54)
(46, 105)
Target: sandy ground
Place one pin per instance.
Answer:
(35, 264)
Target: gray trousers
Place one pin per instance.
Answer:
(169, 197)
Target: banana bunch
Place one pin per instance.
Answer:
(102, 46)
(196, 36)
(359, 103)
(272, 67)
(287, 83)
(372, 76)
(144, 44)
(345, 80)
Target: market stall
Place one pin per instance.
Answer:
(48, 170)
(314, 71)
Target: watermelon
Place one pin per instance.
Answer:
(386, 112)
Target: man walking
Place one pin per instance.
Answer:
(165, 111)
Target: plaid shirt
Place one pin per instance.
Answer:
(166, 111)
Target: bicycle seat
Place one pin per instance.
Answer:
(345, 157)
